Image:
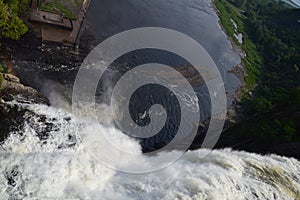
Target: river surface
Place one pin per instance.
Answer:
(195, 18)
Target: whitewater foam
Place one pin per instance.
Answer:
(35, 168)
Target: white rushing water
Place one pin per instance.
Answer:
(294, 3)
(59, 168)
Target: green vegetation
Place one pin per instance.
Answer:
(253, 61)
(239, 3)
(56, 7)
(11, 26)
(271, 42)
(62, 7)
(227, 14)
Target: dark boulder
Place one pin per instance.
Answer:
(11, 118)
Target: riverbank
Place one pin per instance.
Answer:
(29, 50)
(11, 116)
(11, 88)
(270, 123)
(232, 23)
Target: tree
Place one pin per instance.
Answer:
(239, 3)
(1, 77)
(11, 26)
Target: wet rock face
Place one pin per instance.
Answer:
(12, 89)
(11, 116)
(15, 118)
(11, 119)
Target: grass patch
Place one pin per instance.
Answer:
(253, 61)
(56, 6)
(227, 13)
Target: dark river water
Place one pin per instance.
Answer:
(105, 18)
(195, 18)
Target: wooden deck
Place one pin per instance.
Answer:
(54, 27)
(50, 18)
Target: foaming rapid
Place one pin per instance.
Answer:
(45, 159)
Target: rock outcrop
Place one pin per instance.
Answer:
(12, 89)
(11, 116)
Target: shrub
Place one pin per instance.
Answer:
(11, 26)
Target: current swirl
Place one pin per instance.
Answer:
(149, 121)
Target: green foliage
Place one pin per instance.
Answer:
(252, 63)
(227, 14)
(56, 6)
(239, 3)
(11, 26)
(294, 99)
(253, 60)
(276, 130)
(259, 104)
(289, 131)
(279, 47)
(16, 6)
(271, 42)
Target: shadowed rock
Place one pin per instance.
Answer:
(12, 89)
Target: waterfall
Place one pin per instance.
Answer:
(35, 165)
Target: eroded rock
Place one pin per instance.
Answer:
(11, 116)
(12, 89)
